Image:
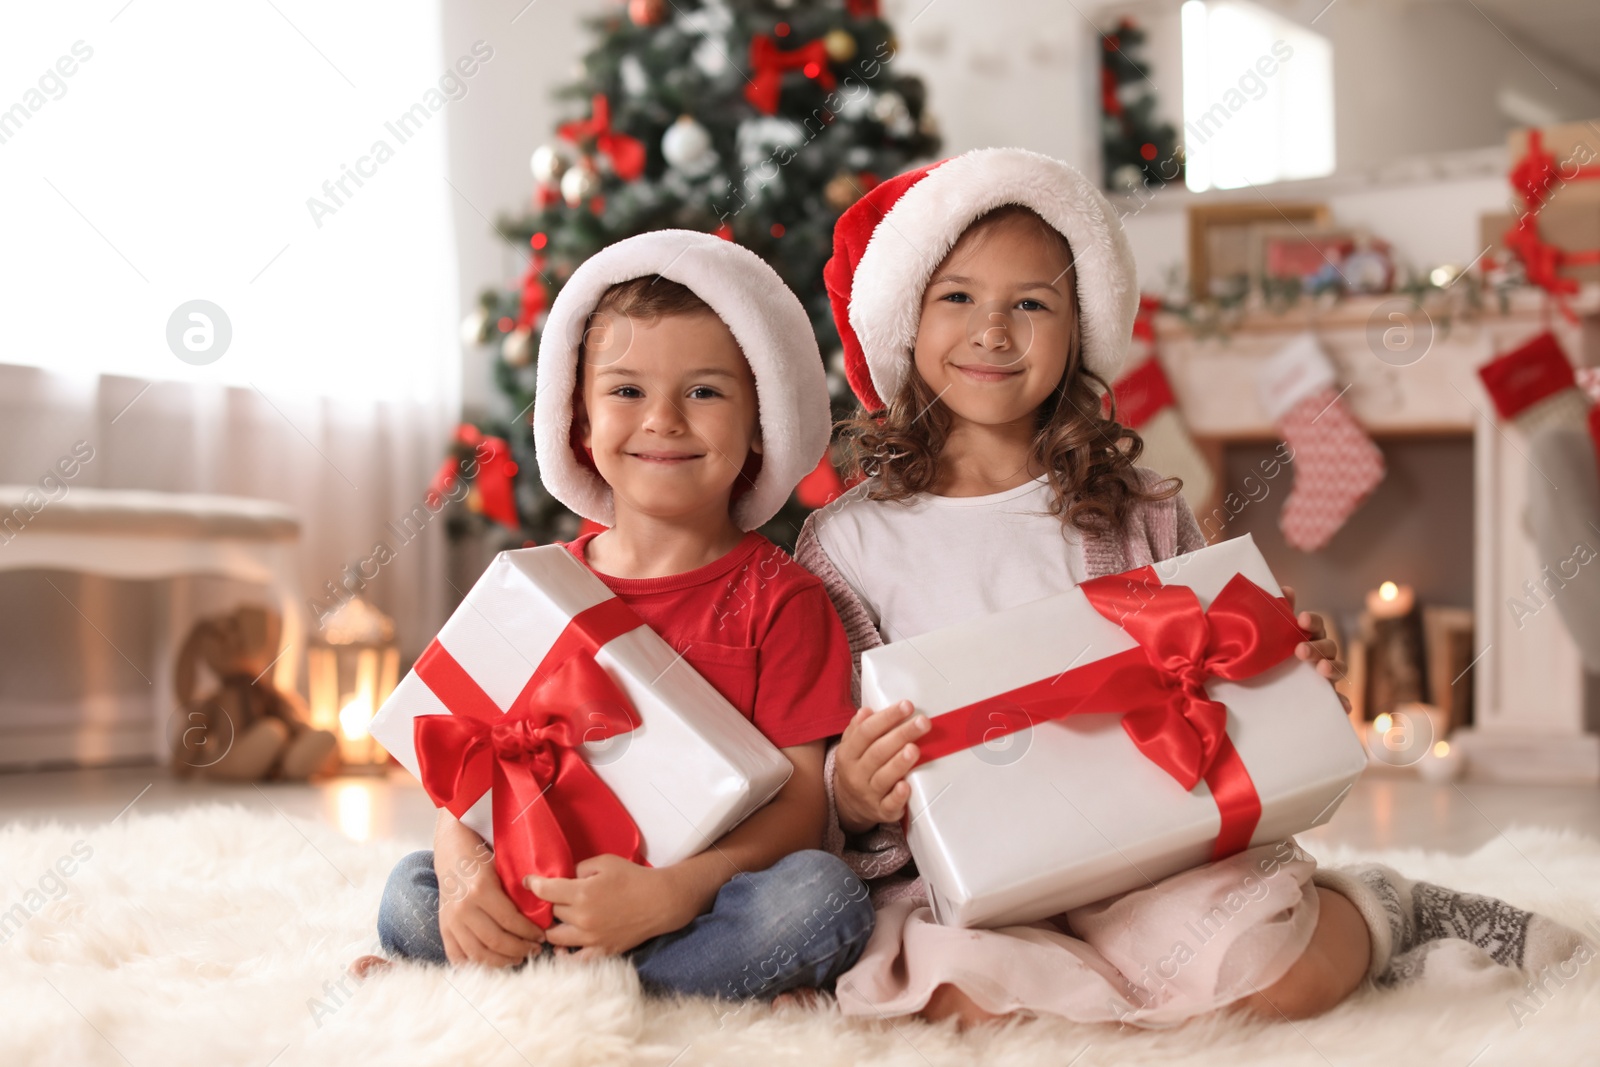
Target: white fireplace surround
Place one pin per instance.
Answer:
(1529, 680)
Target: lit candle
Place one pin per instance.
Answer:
(1390, 601)
(1443, 763)
(1402, 739)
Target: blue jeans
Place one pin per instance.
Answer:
(801, 922)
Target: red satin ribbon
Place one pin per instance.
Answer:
(626, 153)
(766, 81)
(550, 810)
(1158, 687)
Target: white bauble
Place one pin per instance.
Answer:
(710, 57)
(549, 163)
(760, 138)
(579, 183)
(687, 146)
(891, 110)
(858, 106)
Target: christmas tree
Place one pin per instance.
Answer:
(1138, 150)
(757, 120)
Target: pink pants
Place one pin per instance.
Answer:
(1153, 957)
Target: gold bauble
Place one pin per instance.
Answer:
(841, 191)
(517, 348)
(840, 45)
(579, 183)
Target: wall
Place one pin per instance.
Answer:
(1428, 221)
(494, 131)
(1021, 73)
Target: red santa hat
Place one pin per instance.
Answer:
(888, 244)
(761, 312)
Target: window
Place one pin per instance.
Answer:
(1257, 96)
(153, 154)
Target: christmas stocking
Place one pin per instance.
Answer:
(1145, 403)
(1337, 466)
(1534, 386)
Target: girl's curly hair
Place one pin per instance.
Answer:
(1088, 458)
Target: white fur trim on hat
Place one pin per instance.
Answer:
(765, 317)
(929, 217)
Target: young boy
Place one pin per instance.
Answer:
(680, 399)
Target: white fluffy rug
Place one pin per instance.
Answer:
(219, 936)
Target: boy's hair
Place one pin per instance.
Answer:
(1088, 459)
(646, 298)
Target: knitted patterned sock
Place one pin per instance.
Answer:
(1419, 927)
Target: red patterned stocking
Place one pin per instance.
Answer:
(1337, 465)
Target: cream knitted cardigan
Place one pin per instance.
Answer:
(1152, 531)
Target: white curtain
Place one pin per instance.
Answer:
(153, 154)
(348, 469)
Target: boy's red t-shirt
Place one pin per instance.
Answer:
(760, 628)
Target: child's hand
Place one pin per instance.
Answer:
(612, 905)
(875, 755)
(477, 920)
(1320, 650)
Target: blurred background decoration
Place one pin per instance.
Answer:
(352, 665)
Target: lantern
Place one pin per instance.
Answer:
(352, 665)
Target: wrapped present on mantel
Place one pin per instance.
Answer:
(1095, 741)
(551, 720)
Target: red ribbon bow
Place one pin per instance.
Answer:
(550, 809)
(1158, 686)
(626, 153)
(1535, 176)
(770, 65)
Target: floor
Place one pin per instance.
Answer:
(1385, 810)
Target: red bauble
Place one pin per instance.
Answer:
(647, 12)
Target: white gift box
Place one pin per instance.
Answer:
(690, 772)
(1069, 812)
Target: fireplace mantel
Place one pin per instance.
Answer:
(1530, 686)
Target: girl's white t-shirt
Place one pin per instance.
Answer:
(937, 560)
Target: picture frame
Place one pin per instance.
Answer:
(1224, 238)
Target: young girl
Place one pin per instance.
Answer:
(984, 304)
